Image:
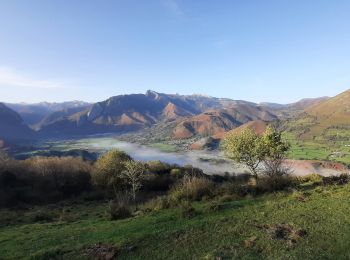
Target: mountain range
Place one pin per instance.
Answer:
(190, 115)
(33, 114)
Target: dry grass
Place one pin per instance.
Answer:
(192, 189)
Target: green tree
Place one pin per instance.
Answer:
(275, 152)
(245, 148)
(261, 154)
(108, 170)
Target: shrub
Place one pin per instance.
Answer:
(192, 189)
(155, 182)
(42, 179)
(275, 183)
(312, 178)
(108, 171)
(156, 204)
(119, 208)
(158, 167)
(176, 173)
(191, 171)
(338, 180)
(65, 174)
(236, 188)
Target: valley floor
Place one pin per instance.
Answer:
(311, 223)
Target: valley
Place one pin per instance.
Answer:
(174, 130)
(303, 159)
(175, 126)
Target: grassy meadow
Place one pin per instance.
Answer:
(308, 223)
(312, 141)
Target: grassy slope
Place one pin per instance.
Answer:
(166, 235)
(311, 141)
(323, 132)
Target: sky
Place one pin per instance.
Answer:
(257, 50)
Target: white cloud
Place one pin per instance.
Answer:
(10, 77)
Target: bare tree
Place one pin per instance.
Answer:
(134, 174)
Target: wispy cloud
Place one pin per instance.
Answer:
(10, 77)
(173, 7)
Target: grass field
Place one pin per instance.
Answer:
(311, 144)
(318, 227)
(164, 147)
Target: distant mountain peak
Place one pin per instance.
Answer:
(152, 94)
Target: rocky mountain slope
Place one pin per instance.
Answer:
(217, 122)
(195, 114)
(189, 115)
(12, 126)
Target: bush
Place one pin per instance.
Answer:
(311, 178)
(176, 173)
(69, 175)
(156, 204)
(155, 182)
(158, 167)
(42, 180)
(236, 188)
(119, 208)
(338, 180)
(191, 171)
(275, 183)
(192, 189)
(108, 171)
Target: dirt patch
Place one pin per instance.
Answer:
(324, 168)
(102, 251)
(286, 232)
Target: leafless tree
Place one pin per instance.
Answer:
(134, 174)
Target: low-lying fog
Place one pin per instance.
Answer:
(209, 162)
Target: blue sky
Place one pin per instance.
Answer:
(262, 50)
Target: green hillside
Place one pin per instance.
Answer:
(323, 131)
(312, 223)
